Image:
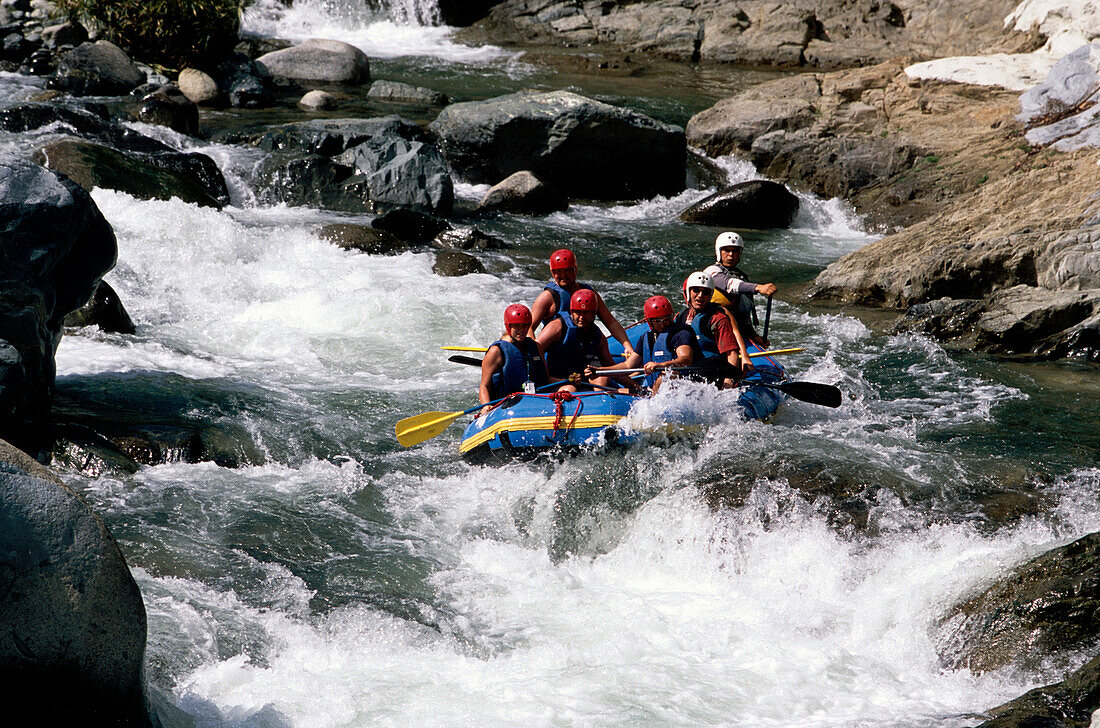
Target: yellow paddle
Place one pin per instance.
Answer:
(418, 428)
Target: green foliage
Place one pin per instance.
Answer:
(983, 179)
(932, 159)
(173, 33)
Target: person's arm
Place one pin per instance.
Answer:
(543, 309)
(740, 351)
(489, 366)
(549, 336)
(750, 288)
(683, 358)
(613, 326)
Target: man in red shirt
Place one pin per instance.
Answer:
(718, 335)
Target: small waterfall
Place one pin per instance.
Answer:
(411, 12)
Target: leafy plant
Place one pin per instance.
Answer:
(173, 33)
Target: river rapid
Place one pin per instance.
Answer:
(780, 574)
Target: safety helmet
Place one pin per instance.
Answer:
(583, 300)
(517, 313)
(656, 307)
(726, 240)
(562, 259)
(698, 279)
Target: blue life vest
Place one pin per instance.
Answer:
(702, 328)
(576, 350)
(562, 296)
(655, 347)
(522, 363)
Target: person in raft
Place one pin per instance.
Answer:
(513, 363)
(716, 331)
(574, 347)
(732, 287)
(555, 297)
(667, 344)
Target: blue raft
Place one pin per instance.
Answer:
(525, 425)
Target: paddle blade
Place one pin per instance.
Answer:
(469, 360)
(418, 428)
(825, 395)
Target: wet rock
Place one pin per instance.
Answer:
(1047, 606)
(454, 263)
(329, 137)
(97, 69)
(756, 204)
(69, 33)
(362, 238)
(58, 246)
(245, 84)
(71, 613)
(523, 193)
(168, 106)
(406, 93)
(411, 226)
(464, 12)
(104, 310)
(1019, 317)
(318, 99)
(310, 180)
(319, 61)
(703, 173)
(40, 63)
(89, 121)
(946, 319)
(161, 176)
(468, 238)
(585, 148)
(199, 87)
(1067, 704)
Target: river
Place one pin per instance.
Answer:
(781, 574)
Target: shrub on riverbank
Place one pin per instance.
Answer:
(174, 33)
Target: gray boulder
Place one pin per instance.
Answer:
(245, 84)
(328, 137)
(582, 147)
(732, 124)
(1024, 318)
(319, 61)
(406, 93)
(71, 613)
(524, 193)
(191, 177)
(1063, 110)
(454, 263)
(96, 69)
(317, 100)
(55, 247)
(756, 204)
(310, 180)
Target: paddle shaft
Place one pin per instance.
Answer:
(767, 318)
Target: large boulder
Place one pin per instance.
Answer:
(97, 69)
(1066, 704)
(454, 263)
(55, 246)
(583, 148)
(756, 204)
(191, 177)
(362, 238)
(310, 180)
(319, 60)
(72, 617)
(244, 83)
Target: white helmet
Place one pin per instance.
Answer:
(698, 279)
(727, 240)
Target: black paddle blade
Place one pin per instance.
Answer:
(825, 395)
(459, 359)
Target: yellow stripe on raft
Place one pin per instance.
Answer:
(584, 422)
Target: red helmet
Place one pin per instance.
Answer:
(517, 313)
(656, 307)
(583, 300)
(563, 259)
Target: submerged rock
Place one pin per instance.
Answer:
(169, 107)
(310, 180)
(582, 147)
(1067, 704)
(318, 99)
(406, 93)
(453, 263)
(104, 310)
(362, 238)
(523, 193)
(467, 238)
(412, 226)
(756, 204)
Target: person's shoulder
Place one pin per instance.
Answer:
(714, 268)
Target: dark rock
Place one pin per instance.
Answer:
(945, 318)
(319, 60)
(583, 147)
(411, 226)
(191, 177)
(69, 33)
(15, 48)
(71, 612)
(90, 121)
(41, 63)
(96, 69)
(406, 93)
(104, 310)
(756, 204)
(464, 12)
(1067, 704)
(454, 263)
(467, 238)
(311, 180)
(523, 193)
(703, 173)
(168, 107)
(362, 238)
(328, 137)
(1047, 606)
(56, 246)
(246, 84)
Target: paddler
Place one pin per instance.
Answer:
(716, 331)
(555, 298)
(667, 344)
(572, 343)
(730, 281)
(513, 363)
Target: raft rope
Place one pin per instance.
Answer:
(559, 399)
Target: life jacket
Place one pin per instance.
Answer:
(742, 305)
(655, 347)
(562, 296)
(576, 350)
(522, 363)
(702, 327)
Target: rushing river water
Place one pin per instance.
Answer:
(786, 574)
